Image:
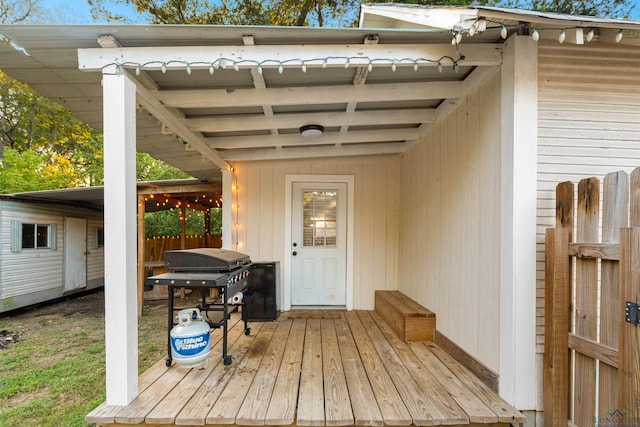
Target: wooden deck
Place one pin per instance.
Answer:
(324, 368)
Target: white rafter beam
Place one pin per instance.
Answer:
(313, 152)
(213, 98)
(353, 137)
(259, 83)
(295, 120)
(153, 58)
(169, 119)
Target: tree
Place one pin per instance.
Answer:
(30, 171)
(236, 12)
(18, 11)
(604, 8)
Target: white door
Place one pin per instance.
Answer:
(75, 254)
(319, 243)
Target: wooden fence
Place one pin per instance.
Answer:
(154, 247)
(592, 353)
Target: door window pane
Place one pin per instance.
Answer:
(319, 218)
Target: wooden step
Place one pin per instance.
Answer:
(408, 319)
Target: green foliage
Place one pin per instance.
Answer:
(236, 12)
(30, 171)
(604, 8)
(167, 223)
(150, 169)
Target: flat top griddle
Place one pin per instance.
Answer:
(204, 259)
(205, 268)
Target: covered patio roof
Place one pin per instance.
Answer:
(209, 96)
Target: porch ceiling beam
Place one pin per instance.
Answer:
(314, 152)
(212, 98)
(327, 138)
(288, 121)
(153, 58)
(173, 122)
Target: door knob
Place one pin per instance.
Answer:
(295, 253)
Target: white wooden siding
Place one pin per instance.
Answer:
(588, 125)
(38, 270)
(31, 270)
(260, 215)
(449, 223)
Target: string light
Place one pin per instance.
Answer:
(590, 34)
(535, 35)
(304, 64)
(562, 36)
(619, 36)
(503, 32)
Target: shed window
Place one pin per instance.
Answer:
(35, 236)
(98, 238)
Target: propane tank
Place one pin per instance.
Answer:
(190, 339)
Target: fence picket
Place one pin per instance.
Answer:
(615, 208)
(586, 323)
(629, 336)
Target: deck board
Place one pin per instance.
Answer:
(363, 401)
(428, 383)
(311, 397)
(282, 408)
(342, 368)
(337, 403)
(389, 400)
(199, 405)
(423, 411)
(254, 408)
(226, 408)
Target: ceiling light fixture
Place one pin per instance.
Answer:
(311, 131)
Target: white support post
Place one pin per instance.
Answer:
(518, 222)
(120, 288)
(227, 209)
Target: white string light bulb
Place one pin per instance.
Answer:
(590, 35)
(619, 36)
(562, 37)
(535, 35)
(503, 32)
(472, 30)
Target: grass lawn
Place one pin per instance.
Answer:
(54, 374)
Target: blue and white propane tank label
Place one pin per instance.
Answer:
(192, 345)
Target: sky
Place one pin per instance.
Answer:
(77, 11)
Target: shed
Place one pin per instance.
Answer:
(48, 249)
(53, 240)
(440, 133)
